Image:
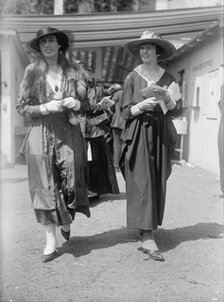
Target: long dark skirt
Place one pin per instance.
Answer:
(101, 174)
(146, 156)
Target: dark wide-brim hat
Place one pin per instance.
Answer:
(167, 49)
(62, 38)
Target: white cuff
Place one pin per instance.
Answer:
(43, 109)
(171, 105)
(135, 110)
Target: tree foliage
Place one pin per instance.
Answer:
(70, 6)
(113, 5)
(28, 7)
(36, 7)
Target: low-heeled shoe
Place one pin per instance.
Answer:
(140, 235)
(93, 195)
(49, 257)
(155, 255)
(65, 234)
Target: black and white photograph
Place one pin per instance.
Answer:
(111, 151)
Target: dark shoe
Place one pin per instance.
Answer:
(155, 255)
(49, 257)
(65, 234)
(140, 235)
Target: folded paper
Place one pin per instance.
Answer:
(154, 90)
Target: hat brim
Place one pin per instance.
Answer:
(61, 37)
(167, 48)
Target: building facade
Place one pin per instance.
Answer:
(99, 39)
(201, 70)
(13, 62)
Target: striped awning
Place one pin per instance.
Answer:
(185, 28)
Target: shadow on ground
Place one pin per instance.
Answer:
(106, 198)
(83, 245)
(166, 239)
(169, 239)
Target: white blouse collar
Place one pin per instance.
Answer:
(138, 69)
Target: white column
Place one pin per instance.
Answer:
(161, 5)
(58, 7)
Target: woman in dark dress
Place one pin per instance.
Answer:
(53, 95)
(117, 123)
(101, 172)
(148, 138)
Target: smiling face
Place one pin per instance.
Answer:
(148, 53)
(49, 46)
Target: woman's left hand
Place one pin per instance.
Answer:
(96, 107)
(167, 98)
(71, 103)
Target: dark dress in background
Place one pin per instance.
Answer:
(117, 126)
(101, 174)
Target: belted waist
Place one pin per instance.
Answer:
(57, 116)
(146, 116)
(91, 114)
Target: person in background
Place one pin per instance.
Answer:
(221, 140)
(148, 138)
(117, 123)
(101, 174)
(51, 93)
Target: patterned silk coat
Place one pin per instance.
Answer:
(54, 147)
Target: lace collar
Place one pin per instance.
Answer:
(138, 69)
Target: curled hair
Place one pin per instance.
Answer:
(159, 50)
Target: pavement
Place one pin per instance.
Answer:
(101, 261)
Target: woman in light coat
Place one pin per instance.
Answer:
(53, 95)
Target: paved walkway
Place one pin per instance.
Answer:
(101, 261)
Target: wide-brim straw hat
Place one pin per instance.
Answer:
(62, 38)
(167, 48)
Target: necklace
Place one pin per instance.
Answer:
(54, 78)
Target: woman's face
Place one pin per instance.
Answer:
(49, 46)
(148, 53)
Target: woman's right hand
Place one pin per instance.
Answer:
(54, 106)
(148, 104)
